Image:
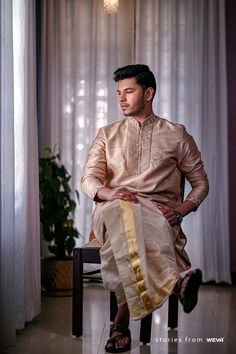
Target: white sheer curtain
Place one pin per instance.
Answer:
(80, 49)
(19, 213)
(183, 41)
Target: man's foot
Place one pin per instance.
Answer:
(188, 289)
(120, 339)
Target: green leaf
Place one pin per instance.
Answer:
(53, 250)
(70, 244)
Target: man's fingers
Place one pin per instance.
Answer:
(169, 215)
(125, 194)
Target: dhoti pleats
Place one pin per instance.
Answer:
(137, 257)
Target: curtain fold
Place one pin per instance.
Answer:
(183, 42)
(20, 236)
(7, 180)
(81, 48)
(187, 52)
(27, 235)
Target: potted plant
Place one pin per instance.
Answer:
(57, 221)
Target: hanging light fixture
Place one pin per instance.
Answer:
(111, 6)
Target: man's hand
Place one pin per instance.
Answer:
(184, 209)
(117, 193)
(170, 215)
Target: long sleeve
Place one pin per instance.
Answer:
(95, 167)
(191, 165)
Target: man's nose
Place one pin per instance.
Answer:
(122, 97)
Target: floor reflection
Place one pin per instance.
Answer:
(213, 319)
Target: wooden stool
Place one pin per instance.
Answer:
(89, 253)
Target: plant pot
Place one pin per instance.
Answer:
(57, 274)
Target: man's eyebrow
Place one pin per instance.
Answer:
(127, 88)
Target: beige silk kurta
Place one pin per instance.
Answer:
(147, 158)
(150, 159)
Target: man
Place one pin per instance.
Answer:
(133, 173)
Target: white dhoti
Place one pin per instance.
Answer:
(137, 257)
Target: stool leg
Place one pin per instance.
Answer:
(77, 296)
(173, 311)
(145, 330)
(113, 306)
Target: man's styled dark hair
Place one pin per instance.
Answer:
(144, 77)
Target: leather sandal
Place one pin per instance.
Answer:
(111, 343)
(188, 290)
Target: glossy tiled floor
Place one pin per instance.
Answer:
(214, 317)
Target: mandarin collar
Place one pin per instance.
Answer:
(149, 120)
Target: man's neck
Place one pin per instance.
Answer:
(143, 117)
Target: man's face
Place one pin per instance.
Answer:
(131, 97)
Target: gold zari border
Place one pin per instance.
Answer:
(148, 303)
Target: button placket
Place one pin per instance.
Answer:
(145, 147)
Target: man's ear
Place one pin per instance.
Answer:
(148, 94)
